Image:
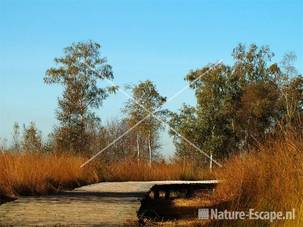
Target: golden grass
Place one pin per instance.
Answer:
(36, 173)
(269, 178)
(131, 170)
(27, 173)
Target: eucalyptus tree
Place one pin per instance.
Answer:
(145, 100)
(237, 104)
(80, 71)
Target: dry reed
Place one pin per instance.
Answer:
(131, 170)
(268, 178)
(36, 173)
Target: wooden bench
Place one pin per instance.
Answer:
(188, 188)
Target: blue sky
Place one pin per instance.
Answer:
(158, 40)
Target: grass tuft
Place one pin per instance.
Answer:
(269, 178)
(131, 170)
(36, 173)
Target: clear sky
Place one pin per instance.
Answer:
(156, 39)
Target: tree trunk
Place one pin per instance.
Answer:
(138, 149)
(150, 150)
(211, 162)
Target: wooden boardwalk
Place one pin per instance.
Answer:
(108, 204)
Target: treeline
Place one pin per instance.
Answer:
(238, 106)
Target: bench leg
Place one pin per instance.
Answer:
(156, 194)
(167, 194)
(189, 193)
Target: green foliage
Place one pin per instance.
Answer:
(145, 95)
(79, 71)
(186, 123)
(32, 140)
(238, 105)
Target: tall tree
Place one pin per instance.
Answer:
(121, 149)
(145, 95)
(239, 104)
(186, 123)
(79, 71)
(207, 125)
(16, 137)
(32, 139)
(292, 92)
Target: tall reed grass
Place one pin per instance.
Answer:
(268, 178)
(131, 170)
(26, 173)
(36, 173)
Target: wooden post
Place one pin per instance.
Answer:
(211, 161)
